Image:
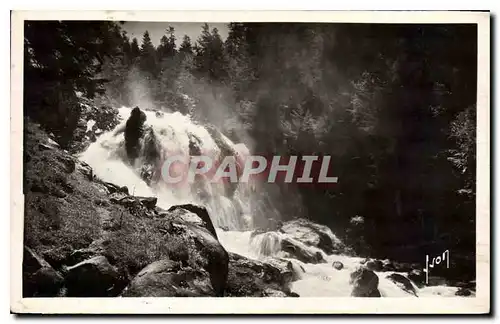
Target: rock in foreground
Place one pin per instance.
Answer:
(364, 282)
(95, 277)
(299, 251)
(313, 234)
(39, 278)
(403, 283)
(257, 279)
(204, 249)
(167, 278)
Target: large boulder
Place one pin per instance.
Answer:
(254, 278)
(402, 282)
(313, 234)
(198, 233)
(39, 278)
(375, 265)
(364, 283)
(167, 278)
(296, 249)
(94, 277)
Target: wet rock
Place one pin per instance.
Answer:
(402, 282)
(338, 265)
(364, 282)
(95, 277)
(194, 145)
(388, 266)
(363, 261)
(254, 278)
(374, 265)
(313, 234)
(147, 173)
(39, 278)
(167, 278)
(301, 252)
(464, 292)
(418, 277)
(285, 267)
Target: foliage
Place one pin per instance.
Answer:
(62, 59)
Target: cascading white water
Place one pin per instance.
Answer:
(107, 157)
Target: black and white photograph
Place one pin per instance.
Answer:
(285, 160)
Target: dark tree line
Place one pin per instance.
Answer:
(394, 105)
(62, 62)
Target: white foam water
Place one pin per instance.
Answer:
(107, 158)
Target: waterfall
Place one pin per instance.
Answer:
(174, 133)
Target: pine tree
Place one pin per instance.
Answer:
(186, 46)
(135, 51)
(210, 59)
(167, 47)
(55, 69)
(148, 59)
